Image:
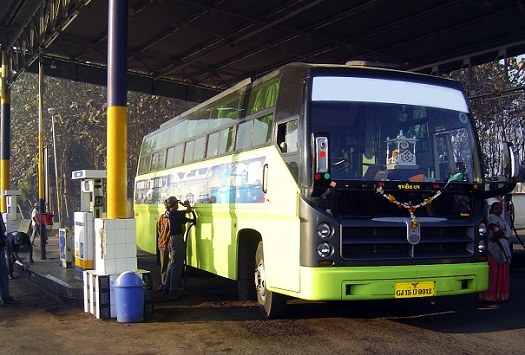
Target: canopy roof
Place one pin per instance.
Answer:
(189, 49)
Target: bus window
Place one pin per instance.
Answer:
(244, 135)
(174, 155)
(199, 148)
(262, 128)
(213, 144)
(420, 131)
(198, 123)
(179, 133)
(158, 160)
(162, 140)
(145, 155)
(226, 140)
(263, 96)
(188, 151)
(144, 164)
(225, 111)
(287, 136)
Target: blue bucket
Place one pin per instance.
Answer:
(129, 297)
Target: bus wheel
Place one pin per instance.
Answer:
(272, 304)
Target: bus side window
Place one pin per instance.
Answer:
(244, 136)
(263, 96)
(188, 151)
(213, 144)
(200, 148)
(262, 129)
(287, 136)
(225, 140)
(144, 164)
(179, 154)
(159, 160)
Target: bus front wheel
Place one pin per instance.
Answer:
(272, 304)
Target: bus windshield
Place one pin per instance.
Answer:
(403, 137)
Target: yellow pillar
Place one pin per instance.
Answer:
(5, 132)
(117, 162)
(117, 137)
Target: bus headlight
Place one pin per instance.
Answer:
(324, 230)
(324, 249)
(482, 229)
(481, 246)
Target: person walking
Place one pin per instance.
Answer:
(499, 257)
(163, 244)
(5, 295)
(177, 222)
(34, 224)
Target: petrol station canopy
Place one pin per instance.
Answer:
(190, 49)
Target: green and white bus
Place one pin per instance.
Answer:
(326, 182)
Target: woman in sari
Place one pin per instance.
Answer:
(499, 257)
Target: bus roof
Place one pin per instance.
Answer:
(365, 68)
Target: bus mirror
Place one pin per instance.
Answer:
(510, 161)
(503, 184)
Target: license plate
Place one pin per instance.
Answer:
(414, 289)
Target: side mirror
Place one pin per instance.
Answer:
(501, 185)
(510, 162)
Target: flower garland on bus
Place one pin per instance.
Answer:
(408, 206)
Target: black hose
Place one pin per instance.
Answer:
(193, 221)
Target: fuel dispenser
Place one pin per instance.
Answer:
(92, 205)
(66, 246)
(12, 218)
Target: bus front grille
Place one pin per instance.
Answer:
(375, 243)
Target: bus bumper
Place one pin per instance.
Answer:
(379, 282)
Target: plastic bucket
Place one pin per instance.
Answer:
(129, 297)
(45, 218)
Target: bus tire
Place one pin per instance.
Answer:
(246, 266)
(273, 305)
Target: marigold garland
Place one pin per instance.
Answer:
(408, 206)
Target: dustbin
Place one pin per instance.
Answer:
(129, 297)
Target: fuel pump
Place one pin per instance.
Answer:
(12, 218)
(92, 205)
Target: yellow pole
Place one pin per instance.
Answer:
(5, 134)
(41, 186)
(117, 162)
(117, 137)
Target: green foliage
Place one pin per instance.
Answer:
(497, 94)
(80, 124)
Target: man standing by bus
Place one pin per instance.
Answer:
(163, 244)
(177, 221)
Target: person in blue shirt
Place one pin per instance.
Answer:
(18, 242)
(177, 224)
(5, 295)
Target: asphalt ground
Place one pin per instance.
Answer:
(210, 320)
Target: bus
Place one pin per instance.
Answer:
(327, 182)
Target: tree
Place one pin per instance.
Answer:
(80, 125)
(497, 96)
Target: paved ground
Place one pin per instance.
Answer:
(209, 320)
